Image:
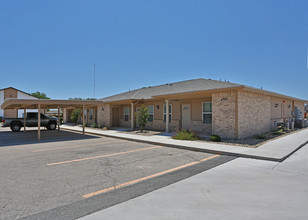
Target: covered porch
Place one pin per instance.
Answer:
(185, 111)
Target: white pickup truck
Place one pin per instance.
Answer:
(31, 121)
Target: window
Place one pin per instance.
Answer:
(151, 113)
(91, 114)
(170, 112)
(126, 113)
(207, 112)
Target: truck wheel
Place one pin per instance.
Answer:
(15, 127)
(52, 126)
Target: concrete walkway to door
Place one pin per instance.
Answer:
(275, 150)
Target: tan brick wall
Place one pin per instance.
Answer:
(125, 124)
(104, 116)
(10, 93)
(280, 109)
(10, 113)
(254, 114)
(223, 116)
(200, 128)
(158, 124)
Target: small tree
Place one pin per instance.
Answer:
(75, 115)
(142, 117)
(40, 95)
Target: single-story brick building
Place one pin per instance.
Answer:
(202, 105)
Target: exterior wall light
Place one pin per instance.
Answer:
(157, 106)
(276, 105)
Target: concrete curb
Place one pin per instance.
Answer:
(197, 149)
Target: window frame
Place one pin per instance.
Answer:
(207, 113)
(126, 114)
(151, 113)
(91, 114)
(165, 113)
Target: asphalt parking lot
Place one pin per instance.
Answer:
(68, 175)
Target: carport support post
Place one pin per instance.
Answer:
(83, 119)
(167, 116)
(25, 115)
(132, 124)
(39, 123)
(59, 118)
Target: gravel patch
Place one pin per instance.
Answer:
(144, 133)
(251, 141)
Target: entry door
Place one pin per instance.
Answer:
(186, 116)
(115, 117)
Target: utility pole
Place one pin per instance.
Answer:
(94, 80)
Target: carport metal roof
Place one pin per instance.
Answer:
(51, 104)
(47, 103)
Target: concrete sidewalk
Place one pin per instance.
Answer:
(275, 150)
(240, 189)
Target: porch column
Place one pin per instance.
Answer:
(39, 122)
(83, 119)
(59, 118)
(25, 115)
(132, 121)
(64, 115)
(167, 116)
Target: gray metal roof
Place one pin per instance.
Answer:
(171, 88)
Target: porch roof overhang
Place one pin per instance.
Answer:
(13, 103)
(123, 101)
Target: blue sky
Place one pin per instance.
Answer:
(51, 46)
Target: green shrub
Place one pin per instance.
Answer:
(260, 136)
(142, 117)
(185, 135)
(215, 138)
(75, 115)
(94, 125)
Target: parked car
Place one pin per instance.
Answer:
(31, 121)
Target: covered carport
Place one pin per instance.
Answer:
(49, 104)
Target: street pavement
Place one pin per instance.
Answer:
(240, 189)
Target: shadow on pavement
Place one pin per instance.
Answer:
(9, 138)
